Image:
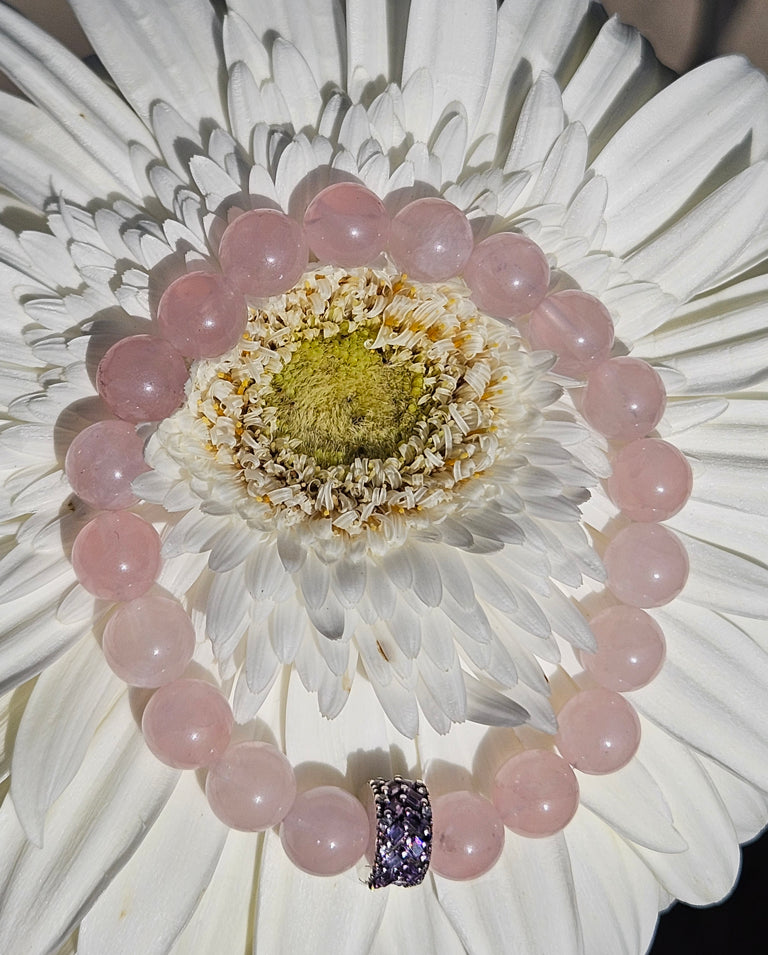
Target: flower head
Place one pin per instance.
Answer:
(399, 515)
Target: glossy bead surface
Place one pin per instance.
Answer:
(430, 240)
(536, 793)
(508, 275)
(576, 327)
(116, 556)
(599, 731)
(326, 832)
(651, 480)
(149, 641)
(346, 225)
(252, 787)
(630, 649)
(263, 252)
(201, 315)
(624, 398)
(187, 724)
(468, 835)
(142, 378)
(102, 461)
(646, 564)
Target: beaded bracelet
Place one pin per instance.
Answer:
(149, 640)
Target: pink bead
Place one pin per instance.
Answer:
(599, 731)
(508, 275)
(430, 240)
(187, 724)
(142, 378)
(624, 398)
(263, 253)
(149, 641)
(252, 787)
(576, 327)
(346, 225)
(326, 832)
(536, 793)
(201, 315)
(651, 480)
(468, 835)
(116, 556)
(102, 461)
(646, 564)
(630, 649)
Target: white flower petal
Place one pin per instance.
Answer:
(619, 899)
(153, 896)
(710, 690)
(53, 736)
(153, 53)
(657, 151)
(706, 871)
(91, 830)
(221, 920)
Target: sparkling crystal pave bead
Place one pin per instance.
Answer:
(403, 832)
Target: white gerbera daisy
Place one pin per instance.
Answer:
(383, 509)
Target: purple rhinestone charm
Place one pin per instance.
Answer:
(403, 832)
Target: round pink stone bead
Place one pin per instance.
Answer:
(149, 641)
(468, 835)
(102, 461)
(326, 832)
(346, 225)
(536, 793)
(252, 787)
(630, 649)
(624, 398)
(651, 480)
(508, 275)
(263, 252)
(646, 564)
(116, 556)
(142, 378)
(201, 315)
(430, 240)
(576, 327)
(599, 731)
(187, 724)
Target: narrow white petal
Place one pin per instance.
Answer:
(657, 152)
(53, 735)
(158, 53)
(152, 898)
(92, 829)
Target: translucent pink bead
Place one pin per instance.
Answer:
(430, 240)
(576, 327)
(201, 315)
(624, 398)
(102, 461)
(651, 480)
(346, 225)
(536, 793)
(142, 378)
(630, 649)
(263, 252)
(508, 275)
(252, 786)
(326, 832)
(116, 556)
(599, 731)
(646, 564)
(468, 835)
(149, 641)
(187, 724)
